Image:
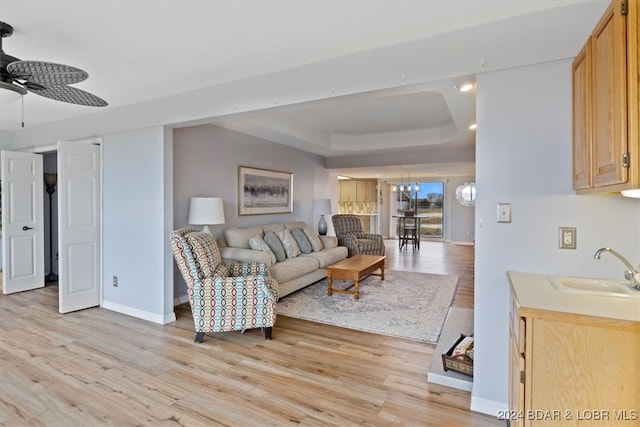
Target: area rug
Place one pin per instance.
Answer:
(405, 305)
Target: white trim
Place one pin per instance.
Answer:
(449, 381)
(454, 242)
(44, 149)
(489, 407)
(140, 314)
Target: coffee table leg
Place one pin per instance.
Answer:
(382, 272)
(357, 286)
(329, 281)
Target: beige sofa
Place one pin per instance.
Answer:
(305, 260)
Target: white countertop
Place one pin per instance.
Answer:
(535, 291)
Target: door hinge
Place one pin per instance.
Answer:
(522, 377)
(625, 160)
(623, 7)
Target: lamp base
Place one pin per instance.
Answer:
(51, 277)
(322, 226)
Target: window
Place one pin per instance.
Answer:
(430, 202)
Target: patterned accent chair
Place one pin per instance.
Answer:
(223, 297)
(350, 233)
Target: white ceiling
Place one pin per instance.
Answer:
(135, 51)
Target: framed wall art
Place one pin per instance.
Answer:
(263, 191)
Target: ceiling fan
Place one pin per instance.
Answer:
(43, 78)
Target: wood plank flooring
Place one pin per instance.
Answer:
(97, 367)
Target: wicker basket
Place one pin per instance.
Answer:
(460, 363)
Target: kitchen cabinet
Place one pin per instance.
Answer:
(347, 191)
(358, 191)
(606, 147)
(571, 362)
(365, 191)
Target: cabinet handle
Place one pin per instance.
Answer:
(25, 228)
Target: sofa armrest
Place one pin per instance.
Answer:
(244, 255)
(329, 241)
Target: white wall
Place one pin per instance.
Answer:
(137, 218)
(523, 157)
(206, 160)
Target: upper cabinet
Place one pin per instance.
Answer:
(365, 191)
(358, 190)
(606, 149)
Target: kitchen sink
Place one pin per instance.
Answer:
(603, 287)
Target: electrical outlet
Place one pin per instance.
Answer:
(567, 237)
(115, 281)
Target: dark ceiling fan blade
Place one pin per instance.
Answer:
(69, 94)
(46, 73)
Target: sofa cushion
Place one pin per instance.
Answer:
(293, 268)
(302, 240)
(275, 244)
(291, 247)
(295, 224)
(316, 243)
(326, 257)
(278, 226)
(239, 237)
(257, 243)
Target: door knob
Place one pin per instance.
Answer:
(25, 228)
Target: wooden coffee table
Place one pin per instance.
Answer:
(357, 268)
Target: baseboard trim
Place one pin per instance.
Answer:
(140, 314)
(486, 406)
(463, 243)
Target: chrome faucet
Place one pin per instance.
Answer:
(631, 274)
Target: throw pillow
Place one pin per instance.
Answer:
(257, 243)
(316, 243)
(275, 244)
(291, 247)
(302, 239)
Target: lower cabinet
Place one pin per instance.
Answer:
(572, 370)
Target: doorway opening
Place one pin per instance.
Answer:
(50, 172)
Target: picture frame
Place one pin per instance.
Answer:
(264, 191)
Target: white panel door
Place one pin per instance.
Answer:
(78, 226)
(22, 222)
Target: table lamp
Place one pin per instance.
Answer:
(206, 211)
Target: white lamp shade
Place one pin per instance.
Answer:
(206, 211)
(321, 207)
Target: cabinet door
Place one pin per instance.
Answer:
(582, 177)
(347, 191)
(366, 191)
(371, 191)
(516, 387)
(609, 97)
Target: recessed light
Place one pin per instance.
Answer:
(473, 126)
(466, 87)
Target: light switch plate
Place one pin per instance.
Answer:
(504, 212)
(567, 238)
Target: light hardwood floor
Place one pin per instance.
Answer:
(98, 367)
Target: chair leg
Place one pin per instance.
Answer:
(267, 333)
(199, 337)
